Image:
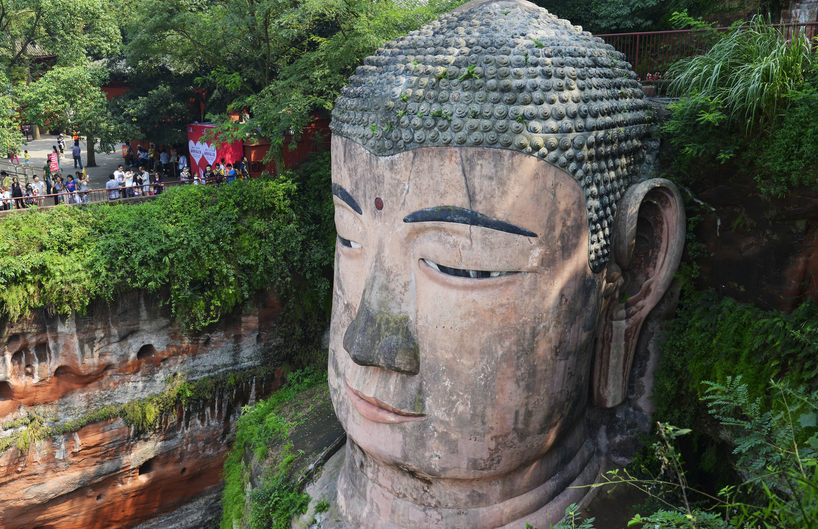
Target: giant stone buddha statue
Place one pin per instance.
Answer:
(498, 251)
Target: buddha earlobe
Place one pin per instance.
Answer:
(648, 240)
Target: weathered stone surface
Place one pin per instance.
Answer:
(487, 428)
(507, 74)
(483, 288)
(104, 475)
(758, 250)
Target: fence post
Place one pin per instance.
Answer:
(638, 51)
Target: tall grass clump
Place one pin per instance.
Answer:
(748, 72)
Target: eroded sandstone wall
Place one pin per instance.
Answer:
(106, 474)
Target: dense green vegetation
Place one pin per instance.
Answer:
(775, 449)
(276, 63)
(620, 16)
(715, 338)
(269, 422)
(207, 250)
(747, 103)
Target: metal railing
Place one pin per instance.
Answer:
(96, 195)
(653, 52)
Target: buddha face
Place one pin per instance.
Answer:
(464, 309)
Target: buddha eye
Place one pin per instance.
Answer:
(459, 272)
(348, 243)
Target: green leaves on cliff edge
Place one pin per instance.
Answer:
(208, 250)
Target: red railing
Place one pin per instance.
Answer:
(653, 52)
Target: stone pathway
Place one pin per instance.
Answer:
(39, 150)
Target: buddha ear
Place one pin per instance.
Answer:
(648, 240)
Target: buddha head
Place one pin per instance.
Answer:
(498, 250)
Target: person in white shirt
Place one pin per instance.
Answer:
(39, 188)
(182, 162)
(5, 198)
(128, 183)
(119, 175)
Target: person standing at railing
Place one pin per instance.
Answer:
(5, 198)
(113, 188)
(16, 191)
(40, 188)
(59, 189)
(30, 196)
(184, 177)
(82, 187)
(158, 184)
(146, 180)
(244, 168)
(208, 175)
(119, 176)
(137, 189)
(128, 184)
(71, 191)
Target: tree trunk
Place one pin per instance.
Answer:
(35, 132)
(90, 158)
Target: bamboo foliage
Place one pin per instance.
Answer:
(749, 71)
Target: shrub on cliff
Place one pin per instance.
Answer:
(746, 101)
(714, 337)
(208, 249)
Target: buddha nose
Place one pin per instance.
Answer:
(381, 337)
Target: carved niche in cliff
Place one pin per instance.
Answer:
(498, 251)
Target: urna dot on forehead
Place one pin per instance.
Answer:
(507, 74)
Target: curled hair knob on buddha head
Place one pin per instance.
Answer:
(536, 82)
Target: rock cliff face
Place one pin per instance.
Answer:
(759, 251)
(104, 473)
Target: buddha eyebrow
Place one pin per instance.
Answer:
(344, 195)
(465, 216)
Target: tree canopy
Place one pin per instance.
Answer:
(277, 63)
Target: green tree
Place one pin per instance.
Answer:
(68, 96)
(10, 135)
(280, 61)
(71, 30)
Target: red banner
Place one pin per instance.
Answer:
(203, 153)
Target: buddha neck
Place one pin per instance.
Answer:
(374, 495)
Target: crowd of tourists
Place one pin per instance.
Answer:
(147, 172)
(128, 183)
(73, 189)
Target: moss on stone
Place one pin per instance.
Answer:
(141, 415)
